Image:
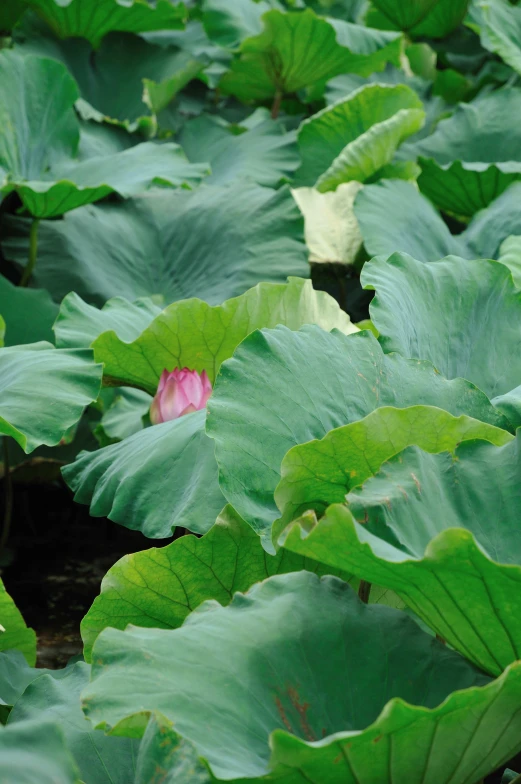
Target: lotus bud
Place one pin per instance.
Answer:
(179, 392)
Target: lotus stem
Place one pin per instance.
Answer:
(33, 253)
(8, 497)
(275, 107)
(364, 589)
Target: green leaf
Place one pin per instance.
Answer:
(101, 759)
(490, 227)
(354, 138)
(431, 18)
(298, 50)
(321, 472)
(264, 153)
(284, 388)
(331, 229)
(159, 478)
(499, 26)
(213, 242)
(162, 752)
(470, 160)
(193, 334)
(480, 311)
(14, 633)
(28, 313)
(228, 24)
(268, 648)
(39, 155)
(462, 581)
(127, 482)
(78, 18)
(124, 417)
(510, 256)
(111, 78)
(67, 381)
(79, 324)
(158, 588)
(10, 13)
(393, 215)
(36, 751)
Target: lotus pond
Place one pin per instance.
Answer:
(260, 390)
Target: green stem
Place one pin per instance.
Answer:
(8, 498)
(33, 253)
(364, 590)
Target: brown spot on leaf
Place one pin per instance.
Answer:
(417, 482)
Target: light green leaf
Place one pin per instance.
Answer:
(79, 324)
(28, 313)
(491, 226)
(159, 478)
(354, 138)
(213, 242)
(101, 759)
(284, 388)
(463, 582)
(510, 255)
(471, 159)
(330, 226)
(14, 633)
(393, 215)
(268, 648)
(480, 310)
(321, 472)
(228, 24)
(36, 751)
(79, 19)
(264, 153)
(193, 334)
(66, 380)
(158, 588)
(2, 331)
(298, 50)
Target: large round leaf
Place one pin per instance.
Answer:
(14, 633)
(166, 475)
(196, 335)
(499, 25)
(43, 392)
(213, 243)
(468, 599)
(304, 658)
(264, 153)
(355, 137)
(111, 78)
(28, 313)
(284, 388)
(39, 138)
(298, 50)
(159, 478)
(321, 472)
(434, 18)
(474, 155)
(463, 316)
(100, 759)
(78, 18)
(36, 751)
(79, 324)
(158, 588)
(394, 216)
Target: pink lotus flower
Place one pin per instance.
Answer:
(179, 392)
